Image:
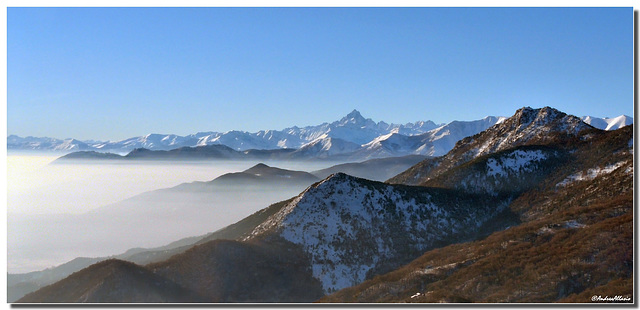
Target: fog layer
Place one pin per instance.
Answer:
(60, 212)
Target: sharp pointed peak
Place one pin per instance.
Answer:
(354, 117)
(354, 114)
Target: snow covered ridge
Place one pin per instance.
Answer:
(352, 128)
(351, 226)
(353, 137)
(436, 142)
(353, 134)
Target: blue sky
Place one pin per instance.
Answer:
(114, 73)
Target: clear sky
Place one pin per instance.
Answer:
(114, 73)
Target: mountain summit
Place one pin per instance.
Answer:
(353, 118)
(526, 127)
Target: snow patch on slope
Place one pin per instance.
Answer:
(514, 162)
(592, 173)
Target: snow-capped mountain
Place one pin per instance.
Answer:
(353, 137)
(435, 142)
(34, 143)
(353, 128)
(150, 141)
(526, 127)
(324, 147)
(608, 123)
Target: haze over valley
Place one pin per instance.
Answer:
(64, 207)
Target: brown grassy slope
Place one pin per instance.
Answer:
(253, 271)
(112, 281)
(576, 241)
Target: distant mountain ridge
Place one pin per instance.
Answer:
(608, 123)
(353, 128)
(351, 138)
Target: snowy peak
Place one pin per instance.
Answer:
(352, 133)
(71, 145)
(326, 146)
(353, 118)
(528, 117)
(526, 127)
(435, 142)
(608, 123)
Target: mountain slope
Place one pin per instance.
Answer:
(353, 228)
(576, 241)
(325, 147)
(335, 234)
(263, 175)
(112, 281)
(506, 173)
(232, 271)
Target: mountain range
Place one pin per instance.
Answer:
(352, 128)
(351, 138)
(537, 207)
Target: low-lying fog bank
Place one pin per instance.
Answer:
(59, 212)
